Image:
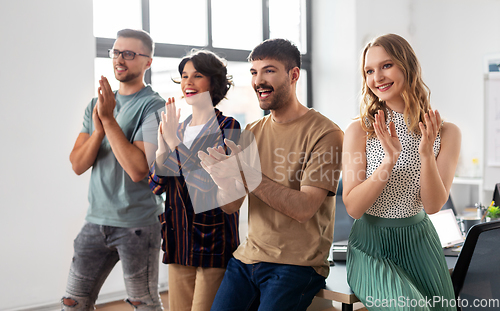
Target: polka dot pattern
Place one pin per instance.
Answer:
(401, 195)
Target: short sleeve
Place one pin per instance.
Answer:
(88, 124)
(325, 162)
(148, 129)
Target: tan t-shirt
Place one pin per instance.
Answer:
(304, 152)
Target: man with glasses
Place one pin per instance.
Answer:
(118, 134)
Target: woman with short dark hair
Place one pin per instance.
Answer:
(198, 237)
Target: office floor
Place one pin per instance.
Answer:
(123, 306)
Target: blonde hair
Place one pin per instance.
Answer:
(415, 93)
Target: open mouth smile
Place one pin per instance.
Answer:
(190, 92)
(264, 93)
(385, 87)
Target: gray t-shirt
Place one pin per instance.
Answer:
(115, 200)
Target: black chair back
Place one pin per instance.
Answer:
(476, 276)
(496, 194)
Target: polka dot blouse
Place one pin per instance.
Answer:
(401, 195)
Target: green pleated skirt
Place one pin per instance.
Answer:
(398, 264)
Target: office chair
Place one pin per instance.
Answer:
(496, 194)
(343, 222)
(477, 272)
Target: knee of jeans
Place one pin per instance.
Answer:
(143, 283)
(145, 304)
(68, 303)
(143, 294)
(134, 303)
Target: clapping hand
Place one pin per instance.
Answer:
(162, 145)
(106, 102)
(429, 132)
(169, 124)
(223, 169)
(388, 138)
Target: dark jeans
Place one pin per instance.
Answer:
(267, 286)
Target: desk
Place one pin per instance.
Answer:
(337, 288)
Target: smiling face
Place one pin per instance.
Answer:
(130, 70)
(384, 78)
(192, 82)
(272, 83)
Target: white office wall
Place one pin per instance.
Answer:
(334, 60)
(46, 81)
(47, 51)
(452, 43)
(450, 39)
(341, 28)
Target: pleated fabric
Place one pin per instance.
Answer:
(398, 264)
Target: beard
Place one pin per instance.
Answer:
(128, 77)
(279, 96)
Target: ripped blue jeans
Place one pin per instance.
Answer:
(98, 249)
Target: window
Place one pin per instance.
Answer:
(229, 28)
(113, 15)
(236, 31)
(287, 19)
(169, 25)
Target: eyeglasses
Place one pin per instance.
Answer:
(128, 55)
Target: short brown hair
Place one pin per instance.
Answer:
(140, 34)
(281, 50)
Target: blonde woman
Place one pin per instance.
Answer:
(398, 165)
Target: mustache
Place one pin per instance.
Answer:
(263, 86)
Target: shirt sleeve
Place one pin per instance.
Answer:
(88, 124)
(325, 164)
(148, 129)
(157, 183)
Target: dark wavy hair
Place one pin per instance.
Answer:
(278, 49)
(210, 65)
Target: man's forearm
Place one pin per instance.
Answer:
(290, 202)
(83, 155)
(131, 158)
